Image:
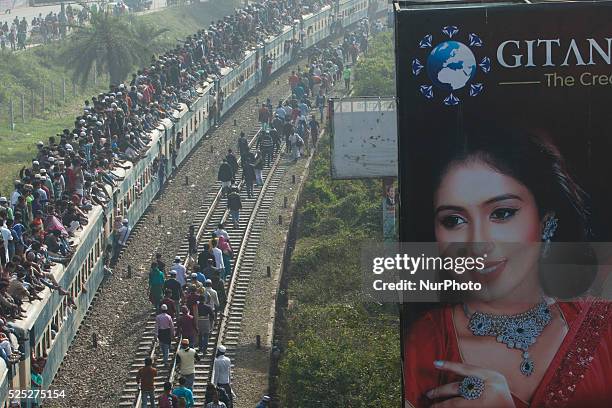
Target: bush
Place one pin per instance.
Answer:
(340, 357)
(343, 349)
(375, 72)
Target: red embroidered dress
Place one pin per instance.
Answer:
(579, 376)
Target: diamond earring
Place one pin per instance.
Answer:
(550, 227)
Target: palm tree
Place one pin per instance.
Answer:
(147, 36)
(110, 43)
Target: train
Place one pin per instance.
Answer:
(51, 323)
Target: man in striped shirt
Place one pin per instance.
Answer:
(266, 144)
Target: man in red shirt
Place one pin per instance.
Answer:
(187, 326)
(146, 378)
(166, 399)
(264, 116)
(293, 80)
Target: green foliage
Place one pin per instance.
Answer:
(341, 356)
(375, 72)
(343, 349)
(110, 43)
(25, 72)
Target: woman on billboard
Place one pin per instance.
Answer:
(513, 344)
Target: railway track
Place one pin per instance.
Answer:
(244, 242)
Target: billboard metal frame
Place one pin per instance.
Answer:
(366, 101)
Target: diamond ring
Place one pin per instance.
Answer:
(471, 388)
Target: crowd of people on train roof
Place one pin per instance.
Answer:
(78, 169)
(188, 296)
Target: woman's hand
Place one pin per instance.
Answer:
(496, 392)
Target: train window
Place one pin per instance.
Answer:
(47, 338)
(83, 276)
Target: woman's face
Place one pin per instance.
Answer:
(492, 213)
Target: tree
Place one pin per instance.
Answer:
(375, 72)
(110, 43)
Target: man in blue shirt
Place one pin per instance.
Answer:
(201, 277)
(183, 392)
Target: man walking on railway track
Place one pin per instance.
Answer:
(248, 175)
(225, 176)
(169, 303)
(183, 392)
(214, 298)
(258, 166)
(264, 403)
(167, 399)
(206, 319)
(264, 117)
(175, 288)
(346, 74)
(314, 130)
(215, 403)
(146, 380)
(186, 358)
(293, 80)
(187, 326)
(266, 144)
(156, 285)
(164, 331)
(180, 271)
(320, 103)
(161, 265)
(243, 147)
(233, 162)
(217, 254)
(221, 232)
(222, 376)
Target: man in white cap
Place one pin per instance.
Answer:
(222, 375)
(173, 285)
(264, 403)
(198, 287)
(186, 358)
(214, 298)
(164, 331)
(180, 270)
(124, 232)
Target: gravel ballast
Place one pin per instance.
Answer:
(95, 377)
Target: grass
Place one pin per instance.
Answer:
(25, 71)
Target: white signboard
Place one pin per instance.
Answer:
(364, 138)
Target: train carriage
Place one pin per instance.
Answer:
(239, 81)
(316, 26)
(279, 49)
(351, 11)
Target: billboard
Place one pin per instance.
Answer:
(505, 136)
(364, 138)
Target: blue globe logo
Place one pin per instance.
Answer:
(451, 65)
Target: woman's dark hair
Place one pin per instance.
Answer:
(531, 158)
(534, 161)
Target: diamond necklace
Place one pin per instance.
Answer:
(517, 331)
